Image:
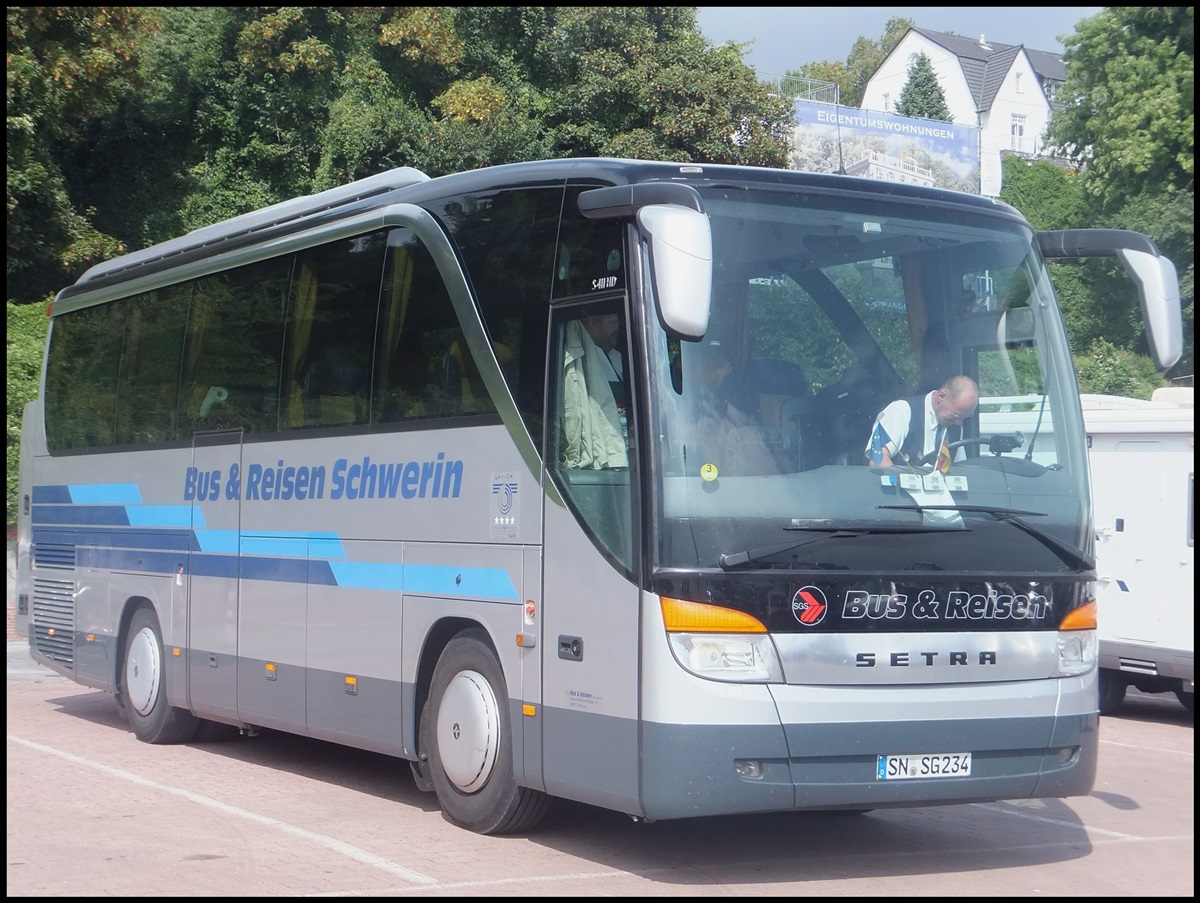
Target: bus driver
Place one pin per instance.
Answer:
(917, 426)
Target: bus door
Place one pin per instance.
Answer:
(212, 572)
(590, 619)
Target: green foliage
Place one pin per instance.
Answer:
(642, 83)
(1169, 219)
(1127, 118)
(1050, 196)
(26, 327)
(1109, 370)
(922, 96)
(1128, 104)
(68, 67)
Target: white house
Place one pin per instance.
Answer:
(1004, 90)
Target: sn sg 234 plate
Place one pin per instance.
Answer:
(923, 765)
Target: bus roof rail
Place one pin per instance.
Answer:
(267, 218)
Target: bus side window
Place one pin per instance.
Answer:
(421, 360)
(231, 357)
(148, 384)
(81, 377)
(332, 308)
(506, 242)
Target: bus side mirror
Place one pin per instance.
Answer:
(680, 245)
(1158, 289)
(1155, 276)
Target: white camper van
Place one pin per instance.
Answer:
(1143, 485)
(1143, 497)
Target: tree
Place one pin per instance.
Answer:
(640, 82)
(1127, 120)
(1108, 370)
(67, 67)
(25, 339)
(1127, 113)
(922, 96)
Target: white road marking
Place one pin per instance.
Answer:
(329, 843)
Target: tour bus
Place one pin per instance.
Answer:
(550, 479)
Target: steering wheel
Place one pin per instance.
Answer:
(998, 444)
(974, 440)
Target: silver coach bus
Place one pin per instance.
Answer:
(549, 478)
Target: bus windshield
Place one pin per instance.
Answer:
(825, 309)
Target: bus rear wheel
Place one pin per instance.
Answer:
(143, 692)
(470, 742)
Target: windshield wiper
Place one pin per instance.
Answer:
(1070, 555)
(828, 528)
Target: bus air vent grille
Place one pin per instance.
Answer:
(53, 555)
(53, 622)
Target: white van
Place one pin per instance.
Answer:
(1143, 485)
(1141, 455)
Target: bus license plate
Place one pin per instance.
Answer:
(930, 765)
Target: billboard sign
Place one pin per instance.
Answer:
(832, 138)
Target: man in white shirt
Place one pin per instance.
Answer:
(909, 429)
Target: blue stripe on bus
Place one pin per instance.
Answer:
(105, 493)
(178, 540)
(435, 580)
(288, 545)
(162, 533)
(225, 541)
(51, 495)
(165, 516)
(313, 545)
(161, 563)
(279, 570)
(96, 515)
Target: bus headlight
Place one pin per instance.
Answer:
(1078, 647)
(720, 643)
(729, 657)
(1077, 651)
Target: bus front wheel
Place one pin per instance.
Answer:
(143, 692)
(470, 742)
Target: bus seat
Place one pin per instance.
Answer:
(333, 392)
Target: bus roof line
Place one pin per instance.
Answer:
(289, 212)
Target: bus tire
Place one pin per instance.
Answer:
(470, 742)
(420, 766)
(1112, 690)
(143, 691)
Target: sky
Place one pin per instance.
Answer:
(787, 37)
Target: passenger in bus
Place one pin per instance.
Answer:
(724, 431)
(910, 428)
(592, 428)
(605, 331)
